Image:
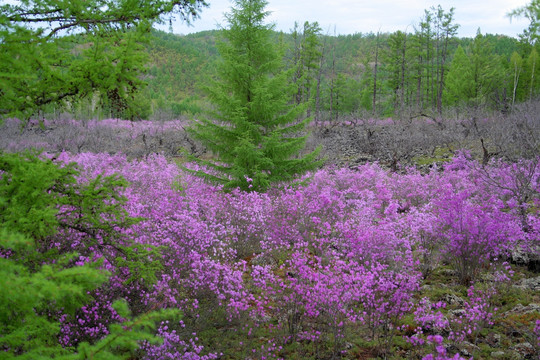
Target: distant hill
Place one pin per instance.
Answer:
(180, 66)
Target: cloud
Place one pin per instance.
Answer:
(361, 16)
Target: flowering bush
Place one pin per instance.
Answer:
(473, 233)
(309, 266)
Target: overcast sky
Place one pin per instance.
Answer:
(364, 16)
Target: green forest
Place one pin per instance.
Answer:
(245, 193)
(343, 75)
(381, 74)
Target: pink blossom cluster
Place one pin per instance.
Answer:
(462, 325)
(537, 333)
(307, 263)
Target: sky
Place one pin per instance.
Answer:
(365, 16)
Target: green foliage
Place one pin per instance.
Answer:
(60, 52)
(95, 208)
(97, 58)
(516, 64)
(396, 60)
(439, 155)
(306, 59)
(33, 294)
(459, 81)
(109, 70)
(185, 107)
(143, 262)
(532, 74)
(178, 68)
(179, 64)
(366, 95)
(253, 134)
(488, 76)
(30, 190)
(531, 12)
(40, 282)
(38, 196)
(124, 339)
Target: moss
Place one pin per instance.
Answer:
(439, 155)
(484, 352)
(510, 298)
(439, 293)
(401, 343)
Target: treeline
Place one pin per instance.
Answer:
(120, 70)
(428, 69)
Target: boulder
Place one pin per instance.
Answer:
(529, 284)
(527, 257)
(525, 350)
(520, 309)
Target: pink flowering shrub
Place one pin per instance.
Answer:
(436, 341)
(477, 314)
(309, 265)
(473, 233)
(432, 325)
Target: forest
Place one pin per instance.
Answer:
(378, 74)
(244, 193)
(347, 76)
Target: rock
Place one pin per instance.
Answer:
(497, 354)
(493, 340)
(525, 350)
(529, 284)
(527, 257)
(466, 348)
(457, 313)
(263, 260)
(520, 309)
(452, 299)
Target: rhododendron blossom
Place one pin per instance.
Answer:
(346, 250)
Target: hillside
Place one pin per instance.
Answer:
(180, 65)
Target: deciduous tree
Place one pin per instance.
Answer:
(459, 83)
(307, 58)
(531, 12)
(516, 63)
(55, 52)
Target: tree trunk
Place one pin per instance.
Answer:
(374, 109)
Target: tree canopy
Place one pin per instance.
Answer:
(531, 12)
(55, 52)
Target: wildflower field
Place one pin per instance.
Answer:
(343, 263)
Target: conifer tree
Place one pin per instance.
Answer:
(459, 83)
(253, 133)
(488, 74)
(396, 60)
(307, 55)
(41, 282)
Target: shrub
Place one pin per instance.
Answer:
(45, 280)
(473, 233)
